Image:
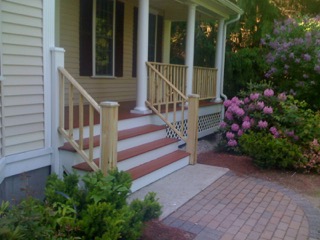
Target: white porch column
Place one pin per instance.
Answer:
(190, 46)
(219, 58)
(166, 41)
(57, 60)
(142, 58)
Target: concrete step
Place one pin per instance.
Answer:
(158, 168)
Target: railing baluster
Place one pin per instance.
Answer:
(70, 110)
(91, 132)
(61, 102)
(81, 122)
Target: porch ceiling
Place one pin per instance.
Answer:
(177, 10)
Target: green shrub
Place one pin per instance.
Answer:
(270, 152)
(26, 221)
(97, 211)
(245, 65)
(294, 59)
(311, 163)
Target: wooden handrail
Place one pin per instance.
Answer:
(204, 82)
(81, 90)
(165, 96)
(68, 134)
(151, 66)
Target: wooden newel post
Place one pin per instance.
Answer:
(192, 138)
(108, 136)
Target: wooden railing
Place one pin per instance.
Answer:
(165, 97)
(106, 111)
(174, 73)
(205, 82)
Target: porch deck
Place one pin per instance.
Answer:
(123, 112)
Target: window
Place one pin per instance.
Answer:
(154, 42)
(101, 38)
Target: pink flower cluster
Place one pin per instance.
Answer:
(252, 112)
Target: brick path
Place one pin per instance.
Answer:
(236, 207)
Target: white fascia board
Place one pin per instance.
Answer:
(211, 6)
(232, 6)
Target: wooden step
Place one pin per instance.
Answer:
(149, 167)
(132, 152)
(122, 135)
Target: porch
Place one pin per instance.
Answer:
(121, 53)
(93, 131)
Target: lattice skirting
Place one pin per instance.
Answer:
(207, 124)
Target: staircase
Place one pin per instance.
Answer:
(144, 151)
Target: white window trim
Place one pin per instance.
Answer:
(94, 75)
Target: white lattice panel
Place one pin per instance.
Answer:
(205, 122)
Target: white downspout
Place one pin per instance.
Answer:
(224, 53)
(219, 58)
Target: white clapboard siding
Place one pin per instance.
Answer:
(19, 148)
(26, 80)
(115, 89)
(23, 84)
(1, 135)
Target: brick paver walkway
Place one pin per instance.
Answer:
(236, 207)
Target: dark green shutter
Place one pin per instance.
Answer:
(135, 42)
(86, 38)
(119, 39)
(159, 39)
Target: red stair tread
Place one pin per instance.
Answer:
(132, 132)
(123, 134)
(85, 166)
(135, 151)
(156, 164)
(131, 152)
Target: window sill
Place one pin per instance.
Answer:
(103, 77)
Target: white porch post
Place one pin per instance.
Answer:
(57, 60)
(142, 58)
(166, 41)
(219, 58)
(190, 46)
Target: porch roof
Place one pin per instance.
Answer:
(177, 10)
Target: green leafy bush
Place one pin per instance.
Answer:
(279, 120)
(270, 152)
(245, 65)
(294, 57)
(96, 211)
(311, 163)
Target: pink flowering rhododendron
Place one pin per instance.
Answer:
(246, 125)
(282, 97)
(230, 135)
(232, 143)
(254, 113)
(235, 127)
(262, 124)
(268, 93)
(260, 105)
(254, 96)
(268, 110)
